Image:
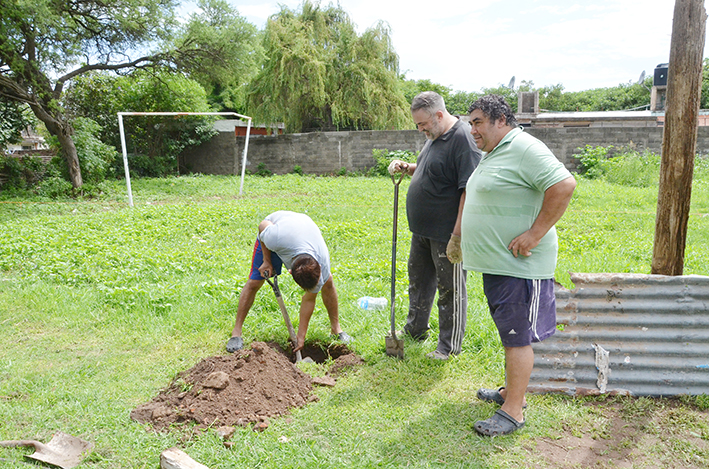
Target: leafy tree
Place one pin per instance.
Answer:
(319, 74)
(231, 38)
(704, 102)
(617, 98)
(46, 43)
(95, 157)
(412, 88)
(12, 122)
(153, 141)
(459, 102)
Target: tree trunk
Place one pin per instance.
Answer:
(63, 131)
(680, 136)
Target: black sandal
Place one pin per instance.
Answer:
(492, 395)
(501, 423)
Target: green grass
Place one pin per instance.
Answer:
(102, 305)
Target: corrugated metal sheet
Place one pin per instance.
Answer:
(655, 329)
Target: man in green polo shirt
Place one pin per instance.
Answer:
(513, 199)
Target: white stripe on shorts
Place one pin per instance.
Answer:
(534, 306)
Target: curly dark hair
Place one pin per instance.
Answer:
(495, 107)
(305, 271)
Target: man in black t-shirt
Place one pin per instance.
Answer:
(434, 206)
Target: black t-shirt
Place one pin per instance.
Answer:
(442, 171)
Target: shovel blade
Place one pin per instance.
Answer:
(63, 450)
(394, 347)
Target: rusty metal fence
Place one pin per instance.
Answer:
(643, 335)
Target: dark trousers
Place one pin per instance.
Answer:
(431, 271)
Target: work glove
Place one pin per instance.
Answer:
(453, 251)
(395, 167)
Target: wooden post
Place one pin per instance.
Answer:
(679, 141)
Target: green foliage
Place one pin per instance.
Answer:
(297, 170)
(411, 88)
(633, 169)
(319, 74)
(54, 187)
(622, 97)
(235, 52)
(263, 171)
(102, 306)
(458, 102)
(95, 156)
(20, 173)
(153, 142)
(626, 167)
(384, 157)
(43, 40)
(12, 121)
(592, 159)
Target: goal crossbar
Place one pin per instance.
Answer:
(125, 152)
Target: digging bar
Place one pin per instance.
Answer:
(286, 318)
(394, 345)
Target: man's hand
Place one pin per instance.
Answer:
(398, 166)
(266, 269)
(523, 244)
(299, 346)
(453, 251)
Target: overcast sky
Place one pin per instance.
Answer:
(469, 45)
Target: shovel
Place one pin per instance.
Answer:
(63, 450)
(286, 318)
(394, 346)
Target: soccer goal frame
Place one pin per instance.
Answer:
(125, 151)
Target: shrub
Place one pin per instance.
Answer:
(95, 157)
(382, 159)
(263, 171)
(21, 173)
(54, 187)
(297, 170)
(633, 169)
(592, 159)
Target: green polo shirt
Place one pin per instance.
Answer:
(503, 198)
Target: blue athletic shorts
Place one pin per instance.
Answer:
(257, 260)
(524, 310)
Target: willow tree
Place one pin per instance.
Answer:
(319, 74)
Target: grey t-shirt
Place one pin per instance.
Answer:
(442, 171)
(296, 233)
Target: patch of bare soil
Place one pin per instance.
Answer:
(246, 387)
(655, 437)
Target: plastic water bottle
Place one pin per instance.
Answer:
(372, 304)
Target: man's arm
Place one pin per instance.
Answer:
(453, 250)
(307, 306)
(556, 199)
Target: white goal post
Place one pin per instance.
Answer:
(125, 152)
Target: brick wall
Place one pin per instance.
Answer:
(328, 152)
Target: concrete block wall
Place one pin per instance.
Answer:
(315, 153)
(328, 152)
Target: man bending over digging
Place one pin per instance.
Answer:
(292, 239)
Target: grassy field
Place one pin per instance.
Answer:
(102, 305)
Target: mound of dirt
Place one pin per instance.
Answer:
(246, 387)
